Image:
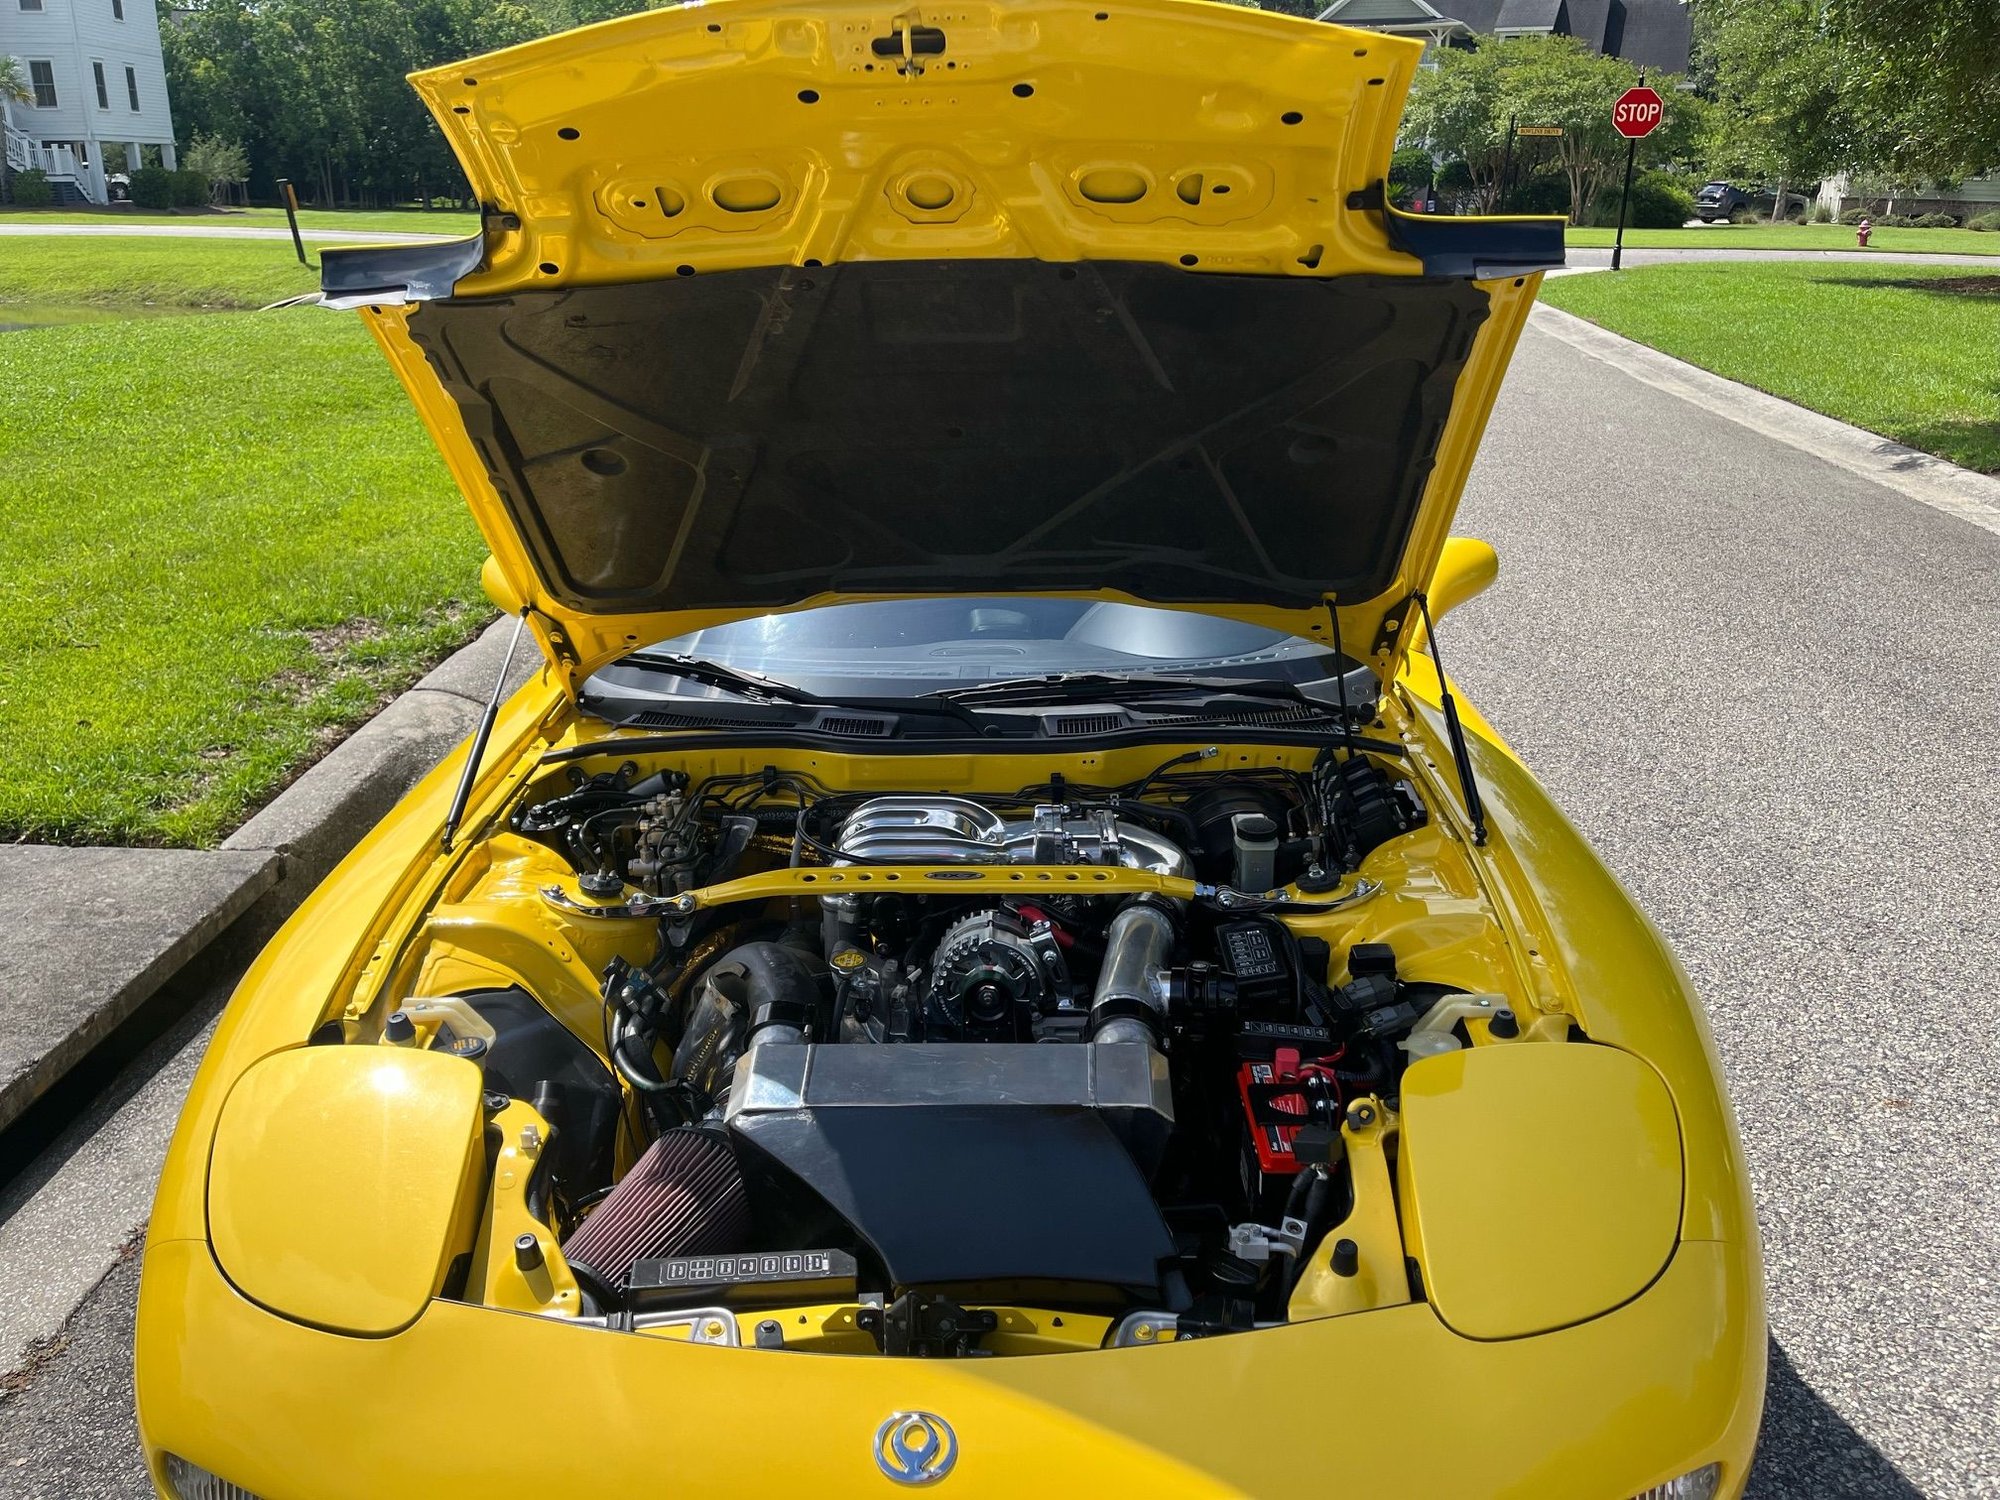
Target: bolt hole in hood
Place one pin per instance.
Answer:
(778, 305)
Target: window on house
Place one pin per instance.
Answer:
(103, 94)
(117, 10)
(42, 76)
(31, 4)
(132, 87)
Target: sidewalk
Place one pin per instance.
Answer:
(92, 933)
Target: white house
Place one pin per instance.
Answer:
(98, 80)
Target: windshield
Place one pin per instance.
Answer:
(906, 647)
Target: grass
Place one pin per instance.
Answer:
(1911, 352)
(1794, 237)
(400, 220)
(227, 540)
(92, 272)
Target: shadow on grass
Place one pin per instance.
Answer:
(1978, 287)
(1808, 1449)
(1970, 445)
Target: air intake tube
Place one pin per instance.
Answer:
(1128, 1005)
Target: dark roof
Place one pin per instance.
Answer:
(1480, 15)
(1587, 20)
(1655, 34)
(1378, 12)
(1530, 15)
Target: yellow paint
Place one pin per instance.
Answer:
(1466, 568)
(1574, 1147)
(698, 110)
(341, 1180)
(1380, 1279)
(497, 1278)
(282, 1178)
(1670, 1381)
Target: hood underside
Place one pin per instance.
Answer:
(778, 305)
(760, 437)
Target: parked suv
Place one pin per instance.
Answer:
(1718, 200)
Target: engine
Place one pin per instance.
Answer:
(915, 1098)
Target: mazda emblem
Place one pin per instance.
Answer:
(915, 1447)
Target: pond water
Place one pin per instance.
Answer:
(18, 315)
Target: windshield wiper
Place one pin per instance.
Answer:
(712, 674)
(746, 685)
(1101, 687)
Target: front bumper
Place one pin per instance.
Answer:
(472, 1402)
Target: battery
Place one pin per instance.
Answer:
(1272, 1142)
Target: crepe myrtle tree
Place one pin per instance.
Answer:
(222, 164)
(1458, 111)
(1464, 106)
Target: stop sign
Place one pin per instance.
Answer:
(1638, 112)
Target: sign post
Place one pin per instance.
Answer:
(291, 197)
(1636, 115)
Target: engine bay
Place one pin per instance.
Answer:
(774, 1059)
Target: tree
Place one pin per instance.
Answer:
(314, 90)
(1458, 109)
(221, 164)
(1465, 106)
(1924, 80)
(1556, 80)
(14, 87)
(1783, 106)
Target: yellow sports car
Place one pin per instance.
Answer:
(987, 957)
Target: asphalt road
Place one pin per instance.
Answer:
(1769, 690)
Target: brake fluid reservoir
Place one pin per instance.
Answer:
(1256, 838)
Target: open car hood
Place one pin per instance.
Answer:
(778, 304)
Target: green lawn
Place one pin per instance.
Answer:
(1911, 352)
(89, 271)
(402, 220)
(227, 540)
(1794, 237)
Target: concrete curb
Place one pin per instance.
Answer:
(1932, 481)
(101, 931)
(63, 1225)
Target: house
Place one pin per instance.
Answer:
(98, 80)
(1654, 34)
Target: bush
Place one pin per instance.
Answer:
(1658, 202)
(1852, 216)
(152, 187)
(1820, 214)
(1410, 169)
(1990, 223)
(1895, 221)
(1544, 193)
(190, 189)
(32, 190)
(1936, 221)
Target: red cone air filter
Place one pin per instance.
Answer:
(684, 1196)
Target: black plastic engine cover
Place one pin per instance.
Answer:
(950, 1195)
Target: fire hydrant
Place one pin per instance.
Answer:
(1861, 233)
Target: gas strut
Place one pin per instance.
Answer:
(479, 738)
(1461, 753)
